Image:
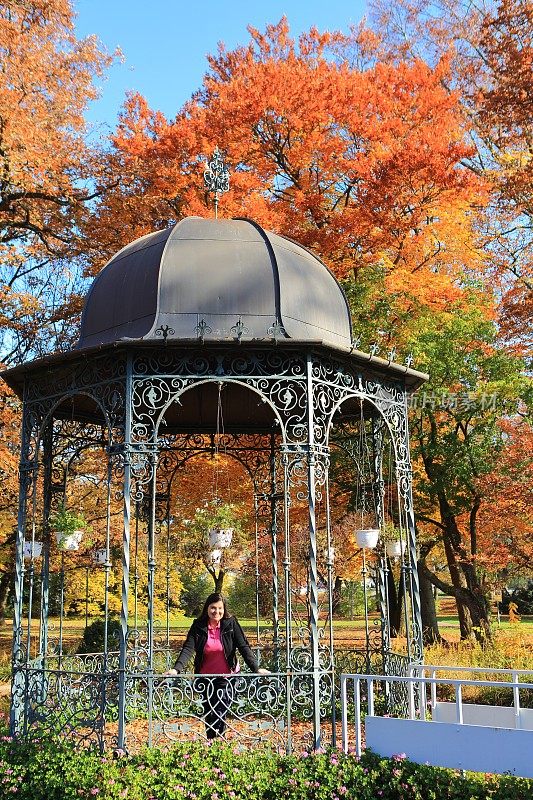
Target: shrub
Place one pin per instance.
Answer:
(194, 592)
(93, 636)
(52, 769)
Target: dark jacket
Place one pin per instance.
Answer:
(232, 637)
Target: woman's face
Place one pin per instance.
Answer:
(215, 611)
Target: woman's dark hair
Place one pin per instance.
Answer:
(214, 598)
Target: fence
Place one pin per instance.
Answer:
(457, 734)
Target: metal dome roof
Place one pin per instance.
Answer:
(216, 280)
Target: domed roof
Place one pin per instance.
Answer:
(215, 280)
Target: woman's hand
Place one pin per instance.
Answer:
(263, 671)
(171, 673)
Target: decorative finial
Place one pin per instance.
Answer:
(216, 177)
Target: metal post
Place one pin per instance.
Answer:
(274, 551)
(313, 571)
(382, 566)
(125, 559)
(329, 563)
(288, 607)
(27, 473)
(167, 574)
(61, 606)
(151, 593)
(45, 567)
(367, 630)
(86, 597)
(405, 480)
(256, 547)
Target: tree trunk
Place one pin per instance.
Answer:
(430, 625)
(6, 580)
(465, 622)
(218, 579)
(395, 597)
(474, 604)
(336, 595)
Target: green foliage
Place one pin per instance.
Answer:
(52, 769)
(390, 533)
(66, 522)
(93, 636)
(216, 515)
(241, 597)
(352, 601)
(194, 592)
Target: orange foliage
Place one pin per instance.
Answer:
(490, 47)
(505, 519)
(362, 165)
(46, 81)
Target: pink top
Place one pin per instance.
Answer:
(214, 661)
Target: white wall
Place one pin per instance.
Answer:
(443, 744)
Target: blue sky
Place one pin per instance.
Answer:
(165, 42)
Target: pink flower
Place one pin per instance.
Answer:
(399, 757)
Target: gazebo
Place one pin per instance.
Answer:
(206, 316)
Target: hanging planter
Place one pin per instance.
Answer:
(220, 537)
(215, 557)
(367, 537)
(69, 541)
(37, 549)
(68, 527)
(392, 538)
(395, 548)
(219, 521)
(100, 556)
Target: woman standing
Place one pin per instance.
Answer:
(214, 638)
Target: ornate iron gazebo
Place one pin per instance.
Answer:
(208, 313)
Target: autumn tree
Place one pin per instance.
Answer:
(490, 47)
(48, 172)
(360, 165)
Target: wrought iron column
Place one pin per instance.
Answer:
(152, 456)
(125, 559)
(382, 564)
(313, 571)
(45, 566)
(405, 487)
(274, 550)
(27, 476)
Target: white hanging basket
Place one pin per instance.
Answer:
(37, 549)
(220, 537)
(70, 542)
(215, 557)
(367, 537)
(100, 556)
(395, 549)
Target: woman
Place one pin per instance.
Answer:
(214, 638)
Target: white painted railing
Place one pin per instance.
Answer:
(426, 741)
(507, 678)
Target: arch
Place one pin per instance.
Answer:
(194, 384)
(362, 396)
(77, 393)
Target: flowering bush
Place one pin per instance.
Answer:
(56, 770)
